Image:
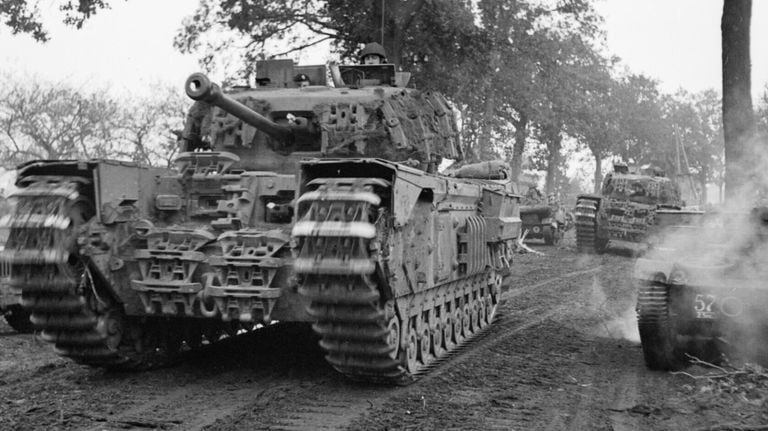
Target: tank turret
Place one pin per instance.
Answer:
(199, 88)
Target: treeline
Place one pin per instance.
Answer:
(530, 77)
(527, 75)
(51, 120)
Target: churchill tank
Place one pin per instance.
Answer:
(290, 203)
(702, 294)
(634, 205)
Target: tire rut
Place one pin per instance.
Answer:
(192, 406)
(337, 403)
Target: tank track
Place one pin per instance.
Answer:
(58, 288)
(586, 226)
(360, 331)
(652, 304)
(661, 350)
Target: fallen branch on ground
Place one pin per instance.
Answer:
(522, 248)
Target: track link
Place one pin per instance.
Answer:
(586, 226)
(45, 268)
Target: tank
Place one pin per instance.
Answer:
(290, 203)
(543, 218)
(633, 206)
(702, 294)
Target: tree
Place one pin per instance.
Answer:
(415, 34)
(22, 17)
(596, 125)
(42, 120)
(538, 42)
(147, 127)
(696, 127)
(645, 135)
(738, 118)
(47, 121)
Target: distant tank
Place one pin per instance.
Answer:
(543, 218)
(632, 206)
(702, 292)
(394, 264)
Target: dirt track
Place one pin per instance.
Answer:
(563, 355)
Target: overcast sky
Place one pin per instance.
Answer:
(130, 45)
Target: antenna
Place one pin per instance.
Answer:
(382, 22)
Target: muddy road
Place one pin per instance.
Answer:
(563, 354)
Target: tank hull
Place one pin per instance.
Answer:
(122, 266)
(401, 267)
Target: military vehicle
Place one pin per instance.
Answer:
(543, 218)
(633, 206)
(395, 265)
(701, 292)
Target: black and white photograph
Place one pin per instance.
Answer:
(523, 215)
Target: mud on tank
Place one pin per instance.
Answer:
(290, 203)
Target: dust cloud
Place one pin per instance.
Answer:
(616, 318)
(724, 253)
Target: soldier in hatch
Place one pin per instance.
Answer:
(302, 80)
(373, 53)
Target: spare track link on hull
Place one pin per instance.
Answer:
(586, 226)
(359, 330)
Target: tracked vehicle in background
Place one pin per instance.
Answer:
(543, 218)
(701, 292)
(632, 206)
(395, 265)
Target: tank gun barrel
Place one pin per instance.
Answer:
(198, 87)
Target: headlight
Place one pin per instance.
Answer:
(678, 276)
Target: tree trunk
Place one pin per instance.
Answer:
(521, 134)
(554, 143)
(598, 173)
(738, 119)
(483, 150)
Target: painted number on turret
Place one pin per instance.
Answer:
(703, 306)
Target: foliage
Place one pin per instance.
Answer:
(149, 127)
(431, 38)
(22, 16)
(43, 120)
(529, 72)
(541, 46)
